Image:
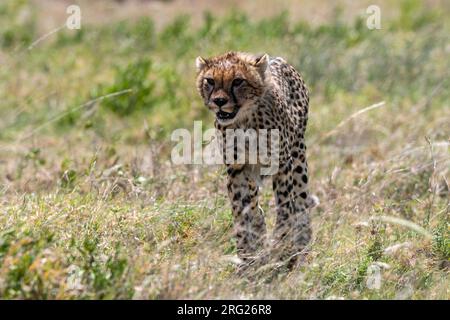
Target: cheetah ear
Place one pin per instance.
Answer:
(261, 63)
(200, 63)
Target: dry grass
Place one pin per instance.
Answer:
(91, 206)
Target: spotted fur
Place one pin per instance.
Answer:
(259, 92)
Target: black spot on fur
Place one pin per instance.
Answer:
(305, 178)
(299, 169)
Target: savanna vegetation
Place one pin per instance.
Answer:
(92, 207)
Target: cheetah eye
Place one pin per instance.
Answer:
(210, 81)
(237, 82)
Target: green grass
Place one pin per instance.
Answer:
(91, 207)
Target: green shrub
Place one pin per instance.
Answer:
(133, 77)
(441, 242)
(17, 24)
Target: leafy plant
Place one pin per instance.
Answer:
(133, 77)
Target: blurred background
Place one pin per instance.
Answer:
(91, 206)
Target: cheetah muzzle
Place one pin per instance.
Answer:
(223, 115)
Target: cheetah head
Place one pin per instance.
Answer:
(230, 84)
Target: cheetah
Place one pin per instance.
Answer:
(247, 91)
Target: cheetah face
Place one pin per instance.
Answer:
(230, 84)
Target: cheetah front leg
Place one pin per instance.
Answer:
(301, 200)
(249, 223)
(282, 234)
(292, 230)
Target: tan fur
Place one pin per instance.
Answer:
(247, 91)
(223, 70)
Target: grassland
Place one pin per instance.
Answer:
(91, 206)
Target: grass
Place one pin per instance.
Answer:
(91, 206)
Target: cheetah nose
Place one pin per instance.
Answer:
(220, 101)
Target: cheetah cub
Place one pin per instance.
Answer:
(247, 91)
